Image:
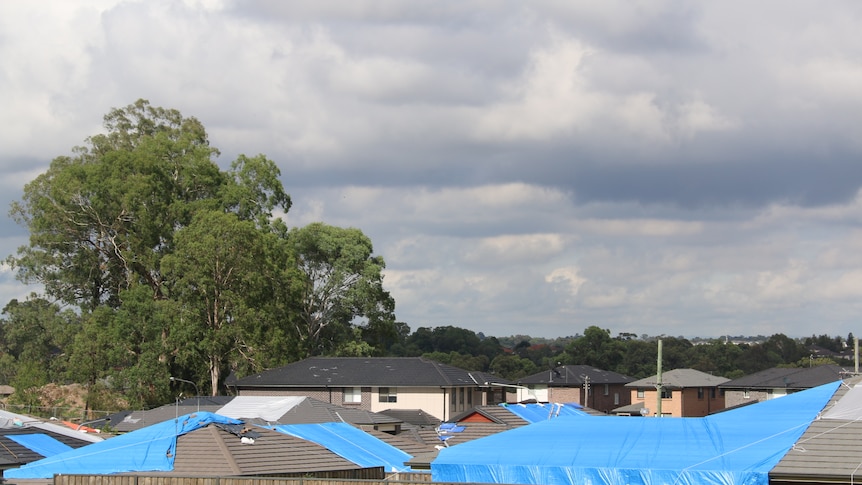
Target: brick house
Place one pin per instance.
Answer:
(581, 384)
(685, 393)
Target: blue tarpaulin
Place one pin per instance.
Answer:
(351, 444)
(537, 412)
(147, 449)
(40, 443)
(737, 446)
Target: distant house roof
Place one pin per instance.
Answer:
(258, 410)
(417, 417)
(574, 376)
(787, 378)
(298, 410)
(140, 419)
(681, 379)
(367, 371)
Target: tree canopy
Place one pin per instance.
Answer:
(175, 267)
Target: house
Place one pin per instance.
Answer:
(777, 382)
(379, 383)
(737, 446)
(684, 393)
(581, 384)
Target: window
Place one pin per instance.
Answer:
(665, 393)
(640, 393)
(387, 394)
(460, 395)
(453, 397)
(352, 395)
(616, 399)
(470, 397)
(607, 390)
(746, 394)
(700, 393)
(712, 393)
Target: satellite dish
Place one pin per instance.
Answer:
(644, 411)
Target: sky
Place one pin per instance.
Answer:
(530, 168)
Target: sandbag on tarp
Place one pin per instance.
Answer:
(147, 449)
(351, 444)
(734, 447)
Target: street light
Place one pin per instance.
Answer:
(197, 392)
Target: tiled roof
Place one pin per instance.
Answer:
(788, 378)
(14, 454)
(213, 451)
(366, 371)
(573, 376)
(412, 416)
(829, 451)
(681, 379)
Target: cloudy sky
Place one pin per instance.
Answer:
(656, 167)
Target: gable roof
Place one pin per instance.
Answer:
(214, 450)
(574, 375)
(681, 379)
(366, 372)
(787, 378)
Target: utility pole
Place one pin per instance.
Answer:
(658, 383)
(586, 391)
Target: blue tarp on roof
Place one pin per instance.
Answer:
(738, 446)
(147, 449)
(537, 412)
(351, 444)
(40, 443)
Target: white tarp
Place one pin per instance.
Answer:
(267, 408)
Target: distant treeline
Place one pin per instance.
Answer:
(518, 356)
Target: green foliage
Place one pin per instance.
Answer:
(341, 284)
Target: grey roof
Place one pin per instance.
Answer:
(366, 371)
(13, 455)
(308, 410)
(214, 451)
(412, 416)
(141, 419)
(258, 410)
(681, 379)
(634, 408)
(573, 376)
(787, 378)
(830, 450)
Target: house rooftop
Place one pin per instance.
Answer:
(681, 379)
(574, 376)
(788, 378)
(367, 371)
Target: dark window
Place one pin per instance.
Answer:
(387, 394)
